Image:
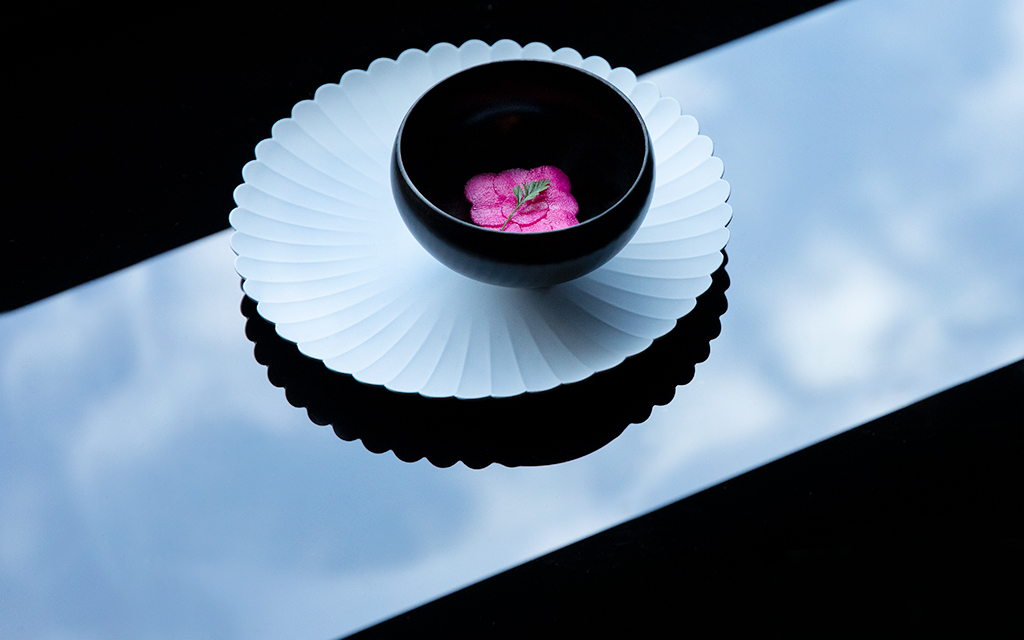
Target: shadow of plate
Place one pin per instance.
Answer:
(532, 429)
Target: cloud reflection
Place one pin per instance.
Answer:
(154, 483)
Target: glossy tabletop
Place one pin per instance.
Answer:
(154, 483)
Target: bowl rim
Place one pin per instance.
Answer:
(647, 154)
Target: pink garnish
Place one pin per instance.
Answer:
(498, 200)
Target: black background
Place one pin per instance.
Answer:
(130, 127)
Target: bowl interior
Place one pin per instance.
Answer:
(523, 114)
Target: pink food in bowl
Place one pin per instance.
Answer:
(494, 199)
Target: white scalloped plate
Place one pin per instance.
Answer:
(322, 249)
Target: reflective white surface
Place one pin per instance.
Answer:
(154, 484)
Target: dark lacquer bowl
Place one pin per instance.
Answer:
(523, 114)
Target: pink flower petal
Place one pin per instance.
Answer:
(493, 199)
(480, 190)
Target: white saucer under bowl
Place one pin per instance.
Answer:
(322, 249)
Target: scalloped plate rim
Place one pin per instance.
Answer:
(565, 52)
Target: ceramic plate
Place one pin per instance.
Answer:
(322, 249)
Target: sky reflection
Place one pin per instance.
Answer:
(154, 484)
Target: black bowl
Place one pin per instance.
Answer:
(523, 114)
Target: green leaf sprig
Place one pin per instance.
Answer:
(524, 193)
